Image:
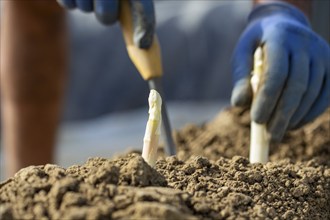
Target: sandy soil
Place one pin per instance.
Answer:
(210, 178)
(229, 135)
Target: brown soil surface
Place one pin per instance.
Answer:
(228, 135)
(207, 180)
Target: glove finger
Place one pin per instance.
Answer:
(316, 78)
(242, 93)
(106, 11)
(242, 64)
(323, 100)
(320, 104)
(291, 96)
(70, 4)
(143, 13)
(85, 5)
(272, 83)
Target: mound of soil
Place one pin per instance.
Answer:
(228, 135)
(207, 180)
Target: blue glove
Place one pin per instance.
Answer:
(107, 12)
(296, 84)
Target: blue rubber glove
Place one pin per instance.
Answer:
(107, 12)
(296, 84)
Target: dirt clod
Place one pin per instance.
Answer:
(210, 178)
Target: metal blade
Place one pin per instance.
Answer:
(155, 83)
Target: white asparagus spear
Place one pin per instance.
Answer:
(151, 136)
(259, 146)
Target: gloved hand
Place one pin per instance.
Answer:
(296, 84)
(107, 12)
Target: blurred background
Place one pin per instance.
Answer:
(106, 105)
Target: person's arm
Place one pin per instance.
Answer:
(33, 67)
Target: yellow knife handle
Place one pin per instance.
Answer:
(147, 61)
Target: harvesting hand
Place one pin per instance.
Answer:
(107, 12)
(295, 87)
